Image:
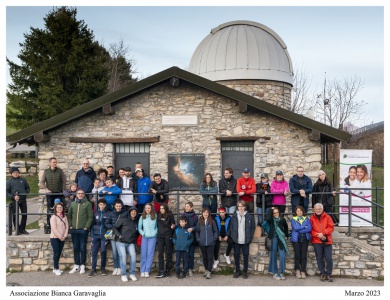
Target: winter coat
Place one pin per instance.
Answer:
(147, 227)
(54, 180)
(110, 198)
(182, 239)
(226, 222)
(161, 189)
(143, 187)
(127, 229)
(278, 187)
(282, 224)
(261, 188)
(248, 186)
(59, 227)
(80, 214)
(208, 193)
(324, 225)
(207, 234)
(99, 221)
(84, 179)
(231, 185)
(120, 183)
(300, 231)
(19, 185)
(249, 227)
(164, 225)
(295, 186)
(114, 216)
(192, 221)
(324, 199)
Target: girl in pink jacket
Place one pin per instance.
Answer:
(279, 186)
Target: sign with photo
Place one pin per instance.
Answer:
(185, 171)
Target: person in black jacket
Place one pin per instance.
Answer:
(97, 237)
(159, 188)
(278, 233)
(241, 232)
(227, 187)
(192, 222)
(263, 190)
(165, 226)
(126, 229)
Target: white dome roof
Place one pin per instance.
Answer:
(242, 50)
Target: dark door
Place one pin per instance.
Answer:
(127, 155)
(237, 155)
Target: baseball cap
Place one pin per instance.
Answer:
(279, 172)
(58, 200)
(264, 175)
(246, 170)
(138, 170)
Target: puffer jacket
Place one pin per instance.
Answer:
(206, 235)
(99, 221)
(300, 231)
(228, 184)
(114, 216)
(324, 225)
(147, 227)
(307, 185)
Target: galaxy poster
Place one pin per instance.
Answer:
(185, 171)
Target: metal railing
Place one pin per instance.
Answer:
(181, 193)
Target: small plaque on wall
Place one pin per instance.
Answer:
(180, 120)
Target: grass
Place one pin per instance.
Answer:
(33, 225)
(224, 271)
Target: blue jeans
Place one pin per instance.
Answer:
(57, 245)
(79, 240)
(99, 241)
(321, 251)
(115, 255)
(273, 267)
(179, 255)
(231, 210)
(122, 249)
(147, 253)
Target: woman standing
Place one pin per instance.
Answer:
(278, 231)
(59, 232)
(209, 189)
(300, 237)
(147, 227)
(323, 185)
(165, 226)
(279, 186)
(206, 235)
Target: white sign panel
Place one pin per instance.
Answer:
(179, 120)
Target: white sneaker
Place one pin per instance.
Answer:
(118, 271)
(142, 274)
(124, 278)
(58, 272)
(215, 265)
(146, 274)
(75, 269)
(228, 261)
(82, 269)
(133, 278)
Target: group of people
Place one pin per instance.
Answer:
(95, 203)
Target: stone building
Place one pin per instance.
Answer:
(231, 108)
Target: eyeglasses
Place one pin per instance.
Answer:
(276, 213)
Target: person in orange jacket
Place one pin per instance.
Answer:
(321, 232)
(246, 187)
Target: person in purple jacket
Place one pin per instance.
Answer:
(280, 187)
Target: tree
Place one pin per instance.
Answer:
(300, 98)
(121, 67)
(62, 66)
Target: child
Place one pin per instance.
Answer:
(263, 188)
(182, 239)
(96, 189)
(223, 221)
(110, 192)
(97, 238)
(70, 195)
(192, 222)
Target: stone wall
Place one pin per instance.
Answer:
(351, 256)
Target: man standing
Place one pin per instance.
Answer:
(246, 187)
(159, 188)
(128, 186)
(322, 228)
(85, 177)
(300, 188)
(242, 229)
(80, 217)
(227, 187)
(17, 185)
(138, 165)
(143, 184)
(53, 181)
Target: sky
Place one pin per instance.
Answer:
(343, 41)
(340, 39)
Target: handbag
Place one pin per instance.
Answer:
(139, 240)
(110, 235)
(268, 243)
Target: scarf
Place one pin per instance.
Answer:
(60, 215)
(280, 234)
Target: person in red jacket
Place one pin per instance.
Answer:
(322, 228)
(246, 187)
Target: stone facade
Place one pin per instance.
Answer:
(351, 256)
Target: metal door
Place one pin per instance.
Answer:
(237, 155)
(127, 155)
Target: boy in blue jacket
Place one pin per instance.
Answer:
(111, 192)
(182, 239)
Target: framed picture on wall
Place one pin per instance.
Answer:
(185, 171)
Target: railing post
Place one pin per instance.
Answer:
(376, 205)
(177, 207)
(263, 206)
(10, 219)
(17, 217)
(349, 212)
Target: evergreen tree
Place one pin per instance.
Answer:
(62, 66)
